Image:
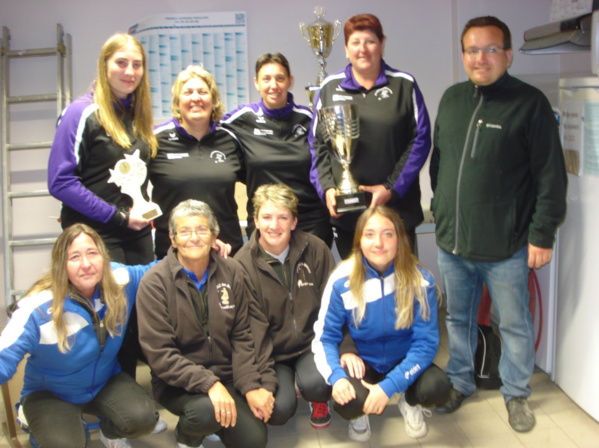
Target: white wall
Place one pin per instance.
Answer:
(423, 39)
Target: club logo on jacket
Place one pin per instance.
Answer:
(383, 93)
(224, 296)
(303, 273)
(298, 130)
(218, 157)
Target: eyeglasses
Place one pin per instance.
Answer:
(186, 233)
(489, 51)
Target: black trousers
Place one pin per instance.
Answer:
(124, 407)
(310, 382)
(430, 389)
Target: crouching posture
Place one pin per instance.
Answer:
(71, 323)
(195, 332)
(389, 303)
(288, 270)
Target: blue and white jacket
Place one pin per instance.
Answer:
(402, 354)
(79, 374)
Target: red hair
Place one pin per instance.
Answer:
(361, 22)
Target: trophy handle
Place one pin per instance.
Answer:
(304, 32)
(336, 30)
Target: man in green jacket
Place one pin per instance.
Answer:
(500, 182)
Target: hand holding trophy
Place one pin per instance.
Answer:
(129, 174)
(341, 124)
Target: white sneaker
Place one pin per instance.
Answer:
(114, 443)
(413, 418)
(359, 429)
(160, 426)
(213, 438)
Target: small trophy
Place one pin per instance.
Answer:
(129, 174)
(342, 128)
(320, 35)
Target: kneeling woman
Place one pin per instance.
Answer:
(71, 323)
(389, 303)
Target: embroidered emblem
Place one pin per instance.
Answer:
(299, 131)
(383, 93)
(224, 296)
(303, 273)
(218, 157)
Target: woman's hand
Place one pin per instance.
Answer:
(137, 223)
(332, 202)
(380, 194)
(377, 399)
(225, 411)
(343, 391)
(222, 248)
(261, 403)
(354, 365)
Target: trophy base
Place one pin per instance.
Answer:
(147, 211)
(350, 202)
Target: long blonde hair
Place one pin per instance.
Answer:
(57, 281)
(142, 104)
(408, 278)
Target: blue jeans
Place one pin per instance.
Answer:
(508, 285)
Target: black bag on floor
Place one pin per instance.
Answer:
(486, 359)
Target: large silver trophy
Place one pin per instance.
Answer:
(129, 174)
(320, 35)
(341, 125)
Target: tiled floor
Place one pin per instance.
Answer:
(480, 423)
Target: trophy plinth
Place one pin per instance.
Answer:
(320, 35)
(341, 124)
(129, 174)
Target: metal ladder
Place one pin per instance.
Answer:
(63, 54)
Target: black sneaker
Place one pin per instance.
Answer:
(521, 418)
(454, 402)
(321, 416)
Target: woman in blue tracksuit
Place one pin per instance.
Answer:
(389, 303)
(71, 323)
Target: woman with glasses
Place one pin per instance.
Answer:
(194, 325)
(394, 137)
(71, 323)
(197, 159)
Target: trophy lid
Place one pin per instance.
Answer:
(320, 22)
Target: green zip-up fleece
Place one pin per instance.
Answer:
(497, 170)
